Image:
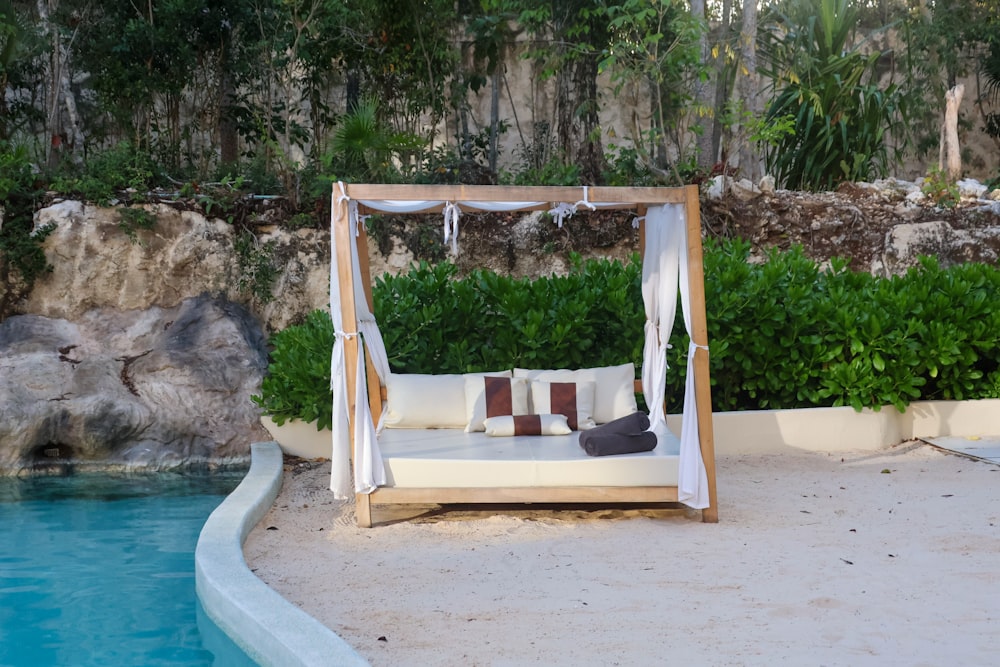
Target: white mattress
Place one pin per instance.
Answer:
(452, 458)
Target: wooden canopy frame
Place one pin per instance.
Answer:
(609, 197)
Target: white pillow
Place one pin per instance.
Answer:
(492, 396)
(527, 425)
(614, 391)
(575, 400)
(415, 400)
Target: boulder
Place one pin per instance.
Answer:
(906, 243)
(153, 389)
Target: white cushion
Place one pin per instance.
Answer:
(574, 400)
(614, 392)
(478, 409)
(527, 425)
(416, 400)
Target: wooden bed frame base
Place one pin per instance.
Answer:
(388, 495)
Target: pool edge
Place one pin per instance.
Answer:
(269, 628)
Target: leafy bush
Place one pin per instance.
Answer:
(783, 333)
(433, 323)
(828, 86)
(297, 385)
(107, 174)
(22, 260)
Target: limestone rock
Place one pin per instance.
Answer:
(152, 389)
(969, 188)
(744, 189)
(906, 243)
(95, 264)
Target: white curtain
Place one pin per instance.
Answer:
(664, 270)
(340, 477)
(369, 471)
(692, 479)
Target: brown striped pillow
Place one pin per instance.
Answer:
(527, 425)
(614, 393)
(575, 400)
(488, 396)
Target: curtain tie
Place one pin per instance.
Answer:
(562, 211)
(585, 201)
(342, 197)
(451, 215)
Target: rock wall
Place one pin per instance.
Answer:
(882, 227)
(155, 389)
(96, 264)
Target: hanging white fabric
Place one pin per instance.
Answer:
(660, 266)
(664, 270)
(369, 471)
(452, 213)
(692, 478)
(340, 475)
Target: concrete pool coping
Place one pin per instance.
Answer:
(266, 626)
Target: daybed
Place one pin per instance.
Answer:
(401, 464)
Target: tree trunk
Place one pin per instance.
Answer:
(703, 91)
(950, 159)
(494, 116)
(60, 91)
(721, 83)
(578, 136)
(748, 86)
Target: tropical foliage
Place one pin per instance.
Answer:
(292, 93)
(830, 87)
(783, 333)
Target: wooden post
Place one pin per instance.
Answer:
(699, 334)
(349, 318)
(374, 381)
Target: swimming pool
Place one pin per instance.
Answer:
(99, 570)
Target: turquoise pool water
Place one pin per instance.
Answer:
(100, 571)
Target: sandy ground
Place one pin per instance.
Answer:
(854, 558)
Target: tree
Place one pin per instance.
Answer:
(828, 86)
(946, 40)
(575, 34)
(657, 45)
(19, 46)
(748, 84)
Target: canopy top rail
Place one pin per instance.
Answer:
(532, 195)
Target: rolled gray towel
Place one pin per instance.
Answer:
(620, 443)
(633, 423)
(636, 422)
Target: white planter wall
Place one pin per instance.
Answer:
(771, 431)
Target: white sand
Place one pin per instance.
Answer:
(818, 560)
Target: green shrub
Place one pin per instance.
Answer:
(782, 332)
(297, 385)
(433, 323)
(123, 170)
(22, 260)
(828, 85)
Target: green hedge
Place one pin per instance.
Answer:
(433, 323)
(783, 333)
